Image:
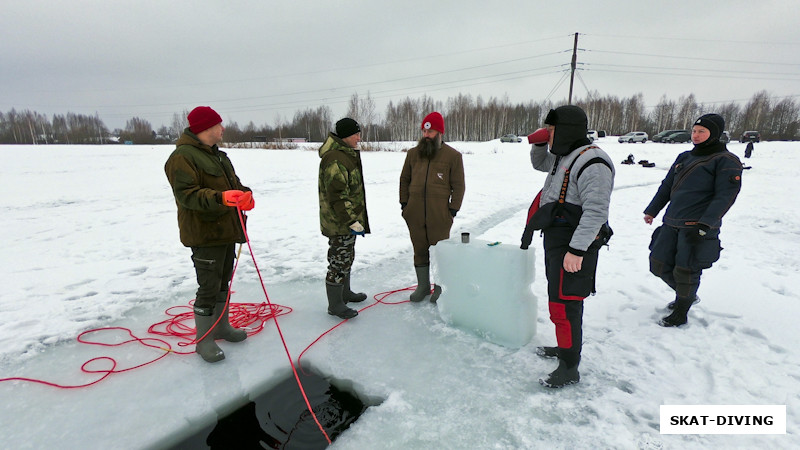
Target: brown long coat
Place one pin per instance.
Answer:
(430, 189)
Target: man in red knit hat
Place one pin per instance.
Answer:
(208, 194)
(431, 191)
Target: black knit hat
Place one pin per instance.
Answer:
(347, 127)
(571, 126)
(715, 124)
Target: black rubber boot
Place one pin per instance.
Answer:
(349, 296)
(679, 313)
(206, 347)
(336, 305)
(547, 352)
(562, 376)
(437, 291)
(423, 284)
(671, 305)
(224, 329)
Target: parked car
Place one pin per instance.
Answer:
(725, 137)
(678, 136)
(592, 135)
(601, 133)
(658, 137)
(750, 136)
(510, 138)
(633, 136)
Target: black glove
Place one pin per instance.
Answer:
(697, 233)
(403, 205)
(453, 212)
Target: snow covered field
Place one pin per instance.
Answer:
(90, 240)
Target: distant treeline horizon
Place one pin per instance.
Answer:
(466, 119)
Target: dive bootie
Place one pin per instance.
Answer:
(349, 296)
(671, 305)
(206, 347)
(547, 352)
(423, 284)
(336, 306)
(562, 376)
(679, 315)
(224, 329)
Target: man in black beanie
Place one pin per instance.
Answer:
(700, 187)
(572, 211)
(342, 212)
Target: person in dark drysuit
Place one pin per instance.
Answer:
(431, 191)
(700, 187)
(748, 150)
(572, 210)
(208, 193)
(342, 212)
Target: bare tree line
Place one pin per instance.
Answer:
(466, 119)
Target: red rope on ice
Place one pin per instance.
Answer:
(379, 299)
(241, 315)
(248, 316)
(148, 342)
(278, 327)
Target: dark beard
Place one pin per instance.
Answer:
(428, 148)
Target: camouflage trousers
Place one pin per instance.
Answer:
(341, 253)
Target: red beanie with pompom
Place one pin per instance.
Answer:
(433, 121)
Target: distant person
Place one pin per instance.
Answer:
(700, 187)
(573, 214)
(431, 191)
(342, 212)
(748, 150)
(208, 193)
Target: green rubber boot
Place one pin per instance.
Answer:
(423, 283)
(336, 305)
(206, 347)
(349, 296)
(224, 329)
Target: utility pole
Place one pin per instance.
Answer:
(574, 63)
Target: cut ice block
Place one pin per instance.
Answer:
(486, 289)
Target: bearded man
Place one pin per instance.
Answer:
(431, 191)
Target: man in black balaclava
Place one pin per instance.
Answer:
(574, 203)
(700, 187)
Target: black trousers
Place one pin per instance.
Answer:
(678, 261)
(214, 268)
(566, 291)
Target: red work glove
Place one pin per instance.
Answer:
(236, 198)
(250, 204)
(539, 137)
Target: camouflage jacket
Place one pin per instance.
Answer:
(342, 198)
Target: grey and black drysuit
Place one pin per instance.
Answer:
(573, 225)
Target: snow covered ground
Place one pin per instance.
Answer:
(90, 240)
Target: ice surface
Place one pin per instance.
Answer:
(80, 255)
(486, 289)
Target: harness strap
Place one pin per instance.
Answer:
(565, 184)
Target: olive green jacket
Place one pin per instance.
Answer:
(342, 198)
(198, 175)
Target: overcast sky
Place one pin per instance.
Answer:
(262, 60)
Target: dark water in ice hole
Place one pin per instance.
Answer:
(279, 418)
